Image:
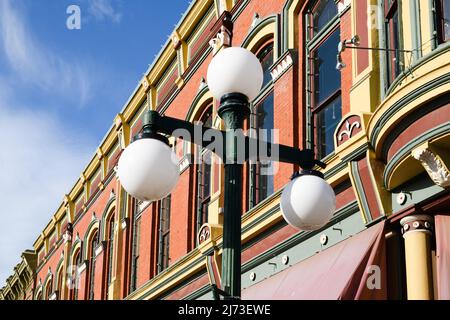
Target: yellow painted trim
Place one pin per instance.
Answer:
(164, 61)
(74, 250)
(362, 212)
(109, 142)
(164, 77)
(433, 69)
(134, 105)
(267, 32)
(87, 238)
(184, 272)
(199, 108)
(199, 30)
(193, 17)
(408, 167)
(376, 169)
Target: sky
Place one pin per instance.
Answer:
(60, 90)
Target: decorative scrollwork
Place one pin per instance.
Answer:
(204, 234)
(223, 39)
(434, 166)
(349, 129)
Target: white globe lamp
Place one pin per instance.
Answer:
(308, 202)
(148, 169)
(235, 70)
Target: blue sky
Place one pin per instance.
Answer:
(60, 90)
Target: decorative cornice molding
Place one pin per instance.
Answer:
(282, 65)
(417, 223)
(434, 165)
(221, 40)
(176, 41)
(145, 83)
(223, 30)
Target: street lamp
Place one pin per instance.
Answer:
(148, 168)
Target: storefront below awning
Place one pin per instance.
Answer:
(352, 269)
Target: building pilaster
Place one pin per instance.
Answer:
(417, 231)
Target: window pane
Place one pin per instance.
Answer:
(110, 253)
(206, 175)
(164, 234)
(446, 19)
(327, 80)
(323, 12)
(326, 121)
(393, 41)
(265, 120)
(264, 112)
(266, 58)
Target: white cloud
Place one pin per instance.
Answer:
(39, 162)
(103, 10)
(35, 64)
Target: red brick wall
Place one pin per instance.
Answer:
(147, 247)
(285, 120)
(99, 276)
(263, 8)
(180, 220)
(362, 56)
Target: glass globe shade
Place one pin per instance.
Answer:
(235, 70)
(148, 169)
(308, 202)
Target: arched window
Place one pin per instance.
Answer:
(324, 81)
(262, 121)
(204, 175)
(109, 254)
(59, 282)
(75, 276)
(48, 289)
(91, 271)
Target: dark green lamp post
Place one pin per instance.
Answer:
(148, 168)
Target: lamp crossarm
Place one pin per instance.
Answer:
(156, 123)
(377, 49)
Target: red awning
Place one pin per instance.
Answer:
(340, 272)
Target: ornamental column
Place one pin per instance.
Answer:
(417, 231)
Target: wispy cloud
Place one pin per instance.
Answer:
(104, 10)
(39, 162)
(35, 64)
(39, 158)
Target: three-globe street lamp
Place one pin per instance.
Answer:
(148, 167)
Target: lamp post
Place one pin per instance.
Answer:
(148, 168)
